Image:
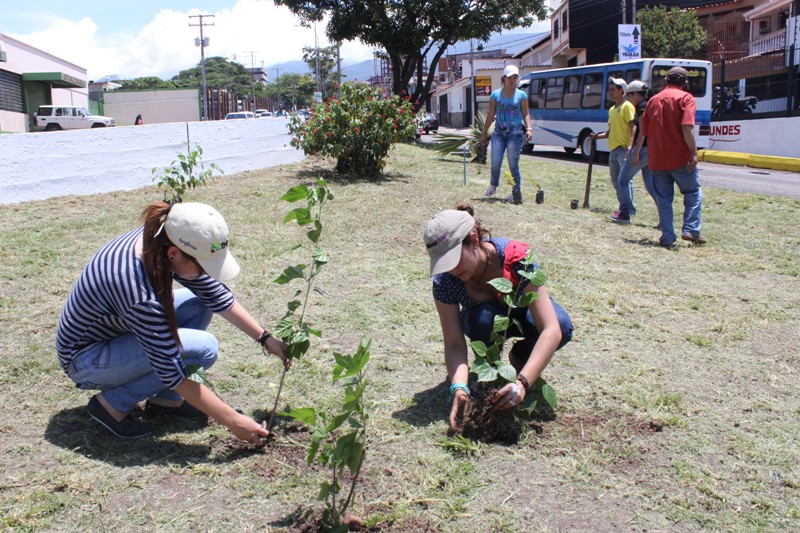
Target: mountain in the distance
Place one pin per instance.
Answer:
(357, 71)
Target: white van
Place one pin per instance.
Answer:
(69, 117)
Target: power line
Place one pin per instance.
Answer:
(202, 43)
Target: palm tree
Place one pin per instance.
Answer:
(451, 142)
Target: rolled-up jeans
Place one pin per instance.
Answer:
(478, 321)
(625, 182)
(506, 139)
(120, 368)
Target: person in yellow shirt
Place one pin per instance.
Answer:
(620, 116)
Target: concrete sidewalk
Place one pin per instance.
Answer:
(789, 164)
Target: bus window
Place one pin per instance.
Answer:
(697, 79)
(634, 74)
(613, 74)
(533, 94)
(592, 90)
(572, 92)
(555, 90)
(540, 99)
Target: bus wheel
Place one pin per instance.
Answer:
(570, 149)
(585, 143)
(527, 148)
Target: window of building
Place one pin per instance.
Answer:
(555, 29)
(763, 26)
(11, 98)
(564, 21)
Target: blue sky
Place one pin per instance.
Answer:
(153, 38)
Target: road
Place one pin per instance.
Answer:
(734, 178)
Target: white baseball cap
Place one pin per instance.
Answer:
(511, 70)
(619, 82)
(200, 231)
(636, 86)
(443, 236)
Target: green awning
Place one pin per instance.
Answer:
(57, 79)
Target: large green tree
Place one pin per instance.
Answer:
(146, 82)
(220, 74)
(673, 33)
(416, 33)
(328, 77)
(293, 90)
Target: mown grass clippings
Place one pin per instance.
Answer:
(678, 397)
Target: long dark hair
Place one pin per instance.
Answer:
(483, 233)
(155, 245)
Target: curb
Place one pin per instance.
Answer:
(789, 164)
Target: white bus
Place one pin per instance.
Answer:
(568, 104)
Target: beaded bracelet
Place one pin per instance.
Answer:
(455, 386)
(524, 381)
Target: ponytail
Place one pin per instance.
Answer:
(155, 244)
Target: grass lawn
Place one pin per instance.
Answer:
(679, 397)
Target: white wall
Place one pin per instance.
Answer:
(47, 164)
(12, 121)
(765, 136)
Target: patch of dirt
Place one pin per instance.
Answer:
(586, 427)
(310, 521)
(481, 422)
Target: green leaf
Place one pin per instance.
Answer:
(299, 349)
(301, 214)
(337, 421)
(479, 347)
(290, 273)
(485, 372)
(508, 373)
(502, 285)
(313, 234)
(500, 323)
(526, 299)
(549, 395)
(306, 415)
(319, 256)
(537, 277)
(353, 456)
(324, 491)
(298, 192)
(293, 305)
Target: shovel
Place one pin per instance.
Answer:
(589, 174)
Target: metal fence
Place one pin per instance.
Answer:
(757, 86)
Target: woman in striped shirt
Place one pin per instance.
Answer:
(126, 332)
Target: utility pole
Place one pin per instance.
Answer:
(202, 43)
(316, 57)
(633, 14)
(624, 8)
(338, 70)
(472, 82)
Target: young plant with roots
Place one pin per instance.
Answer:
(340, 437)
(492, 373)
(293, 328)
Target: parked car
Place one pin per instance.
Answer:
(239, 115)
(262, 113)
(430, 123)
(69, 117)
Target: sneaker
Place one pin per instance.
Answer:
(491, 190)
(619, 218)
(127, 428)
(693, 239)
(184, 410)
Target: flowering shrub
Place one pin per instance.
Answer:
(357, 130)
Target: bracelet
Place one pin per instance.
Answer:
(262, 339)
(524, 381)
(455, 386)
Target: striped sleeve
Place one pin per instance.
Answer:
(214, 294)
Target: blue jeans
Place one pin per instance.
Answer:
(120, 368)
(616, 158)
(477, 323)
(625, 182)
(664, 192)
(506, 140)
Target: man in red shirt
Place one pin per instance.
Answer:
(668, 123)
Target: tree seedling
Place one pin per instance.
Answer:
(293, 329)
(186, 172)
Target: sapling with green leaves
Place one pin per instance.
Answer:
(339, 440)
(186, 172)
(489, 367)
(293, 328)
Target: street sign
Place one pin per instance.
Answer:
(483, 85)
(630, 42)
(317, 97)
